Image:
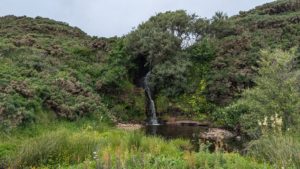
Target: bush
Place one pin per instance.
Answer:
(281, 150)
(273, 104)
(231, 115)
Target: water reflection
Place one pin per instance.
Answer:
(191, 133)
(175, 131)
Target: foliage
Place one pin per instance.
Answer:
(114, 74)
(194, 101)
(274, 102)
(160, 42)
(48, 69)
(230, 115)
(170, 77)
(54, 144)
(195, 104)
(53, 70)
(203, 51)
(162, 103)
(118, 150)
(240, 39)
(56, 148)
(276, 97)
(280, 150)
(90, 144)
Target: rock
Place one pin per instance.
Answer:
(217, 134)
(129, 126)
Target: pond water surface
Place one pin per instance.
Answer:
(191, 133)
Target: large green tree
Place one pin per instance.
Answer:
(160, 43)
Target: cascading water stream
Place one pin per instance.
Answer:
(151, 105)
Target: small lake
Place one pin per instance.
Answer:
(192, 133)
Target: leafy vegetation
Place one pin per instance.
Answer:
(84, 145)
(281, 150)
(156, 44)
(181, 51)
(62, 90)
(240, 41)
(274, 102)
(43, 72)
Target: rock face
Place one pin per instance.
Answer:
(217, 134)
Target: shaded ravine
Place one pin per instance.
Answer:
(151, 105)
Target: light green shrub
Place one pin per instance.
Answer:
(281, 150)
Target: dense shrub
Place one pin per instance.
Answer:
(273, 104)
(240, 39)
(231, 115)
(48, 68)
(280, 150)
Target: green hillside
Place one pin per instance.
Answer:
(62, 92)
(49, 69)
(241, 37)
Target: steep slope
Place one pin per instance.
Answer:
(240, 39)
(48, 69)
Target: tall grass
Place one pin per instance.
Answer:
(281, 150)
(83, 145)
(133, 150)
(56, 143)
(119, 149)
(61, 147)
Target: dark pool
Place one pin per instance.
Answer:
(191, 133)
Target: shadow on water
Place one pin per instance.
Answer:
(191, 133)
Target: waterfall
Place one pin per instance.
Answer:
(151, 105)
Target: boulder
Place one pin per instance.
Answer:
(217, 134)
